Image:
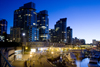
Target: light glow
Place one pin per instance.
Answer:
(33, 50)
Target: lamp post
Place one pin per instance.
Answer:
(23, 34)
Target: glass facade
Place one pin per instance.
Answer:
(69, 35)
(26, 18)
(42, 23)
(52, 35)
(3, 26)
(60, 31)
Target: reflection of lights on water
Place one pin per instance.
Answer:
(78, 63)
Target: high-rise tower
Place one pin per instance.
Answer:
(26, 19)
(60, 30)
(42, 23)
(69, 35)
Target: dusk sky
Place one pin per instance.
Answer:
(83, 16)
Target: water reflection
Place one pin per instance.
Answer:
(83, 63)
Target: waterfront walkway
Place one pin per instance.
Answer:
(35, 61)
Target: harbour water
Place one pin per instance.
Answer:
(84, 63)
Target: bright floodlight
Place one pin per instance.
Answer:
(23, 34)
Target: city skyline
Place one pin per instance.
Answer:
(82, 16)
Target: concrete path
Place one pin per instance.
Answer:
(18, 64)
(42, 62)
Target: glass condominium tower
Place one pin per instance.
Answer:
(3, 26)
(42, 23)
(60, 31)
(26, 18)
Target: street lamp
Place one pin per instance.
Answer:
(23, 34)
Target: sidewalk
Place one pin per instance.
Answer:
(20, 62)
(39, 62)
(35, 61)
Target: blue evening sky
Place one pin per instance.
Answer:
(83, 16)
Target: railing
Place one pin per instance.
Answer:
(3, 61)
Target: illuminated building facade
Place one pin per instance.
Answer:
(69, 35)
(15, 34)
(60, 31)
(26, 18)
(52, 35)
(3, 30)
(42, 23)
(3, 26)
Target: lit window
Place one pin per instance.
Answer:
(43, 36)
(43, 27)
(57, 28)
(34, 24)
(64, 39)
(42, 17)
(34, 13)
(49, 29)
(27, 15)
(19, 16)
(64, 32)
(38, 20)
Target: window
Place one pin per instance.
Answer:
(28, 15)
(49, 29)
(34, 13)
(64, 39)
(64, 32)
(43, 17)
(38, 20)
(19, 16)
(43, 27)
(43, 36)
(60, 21)
(57, 28)
(34, 24)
